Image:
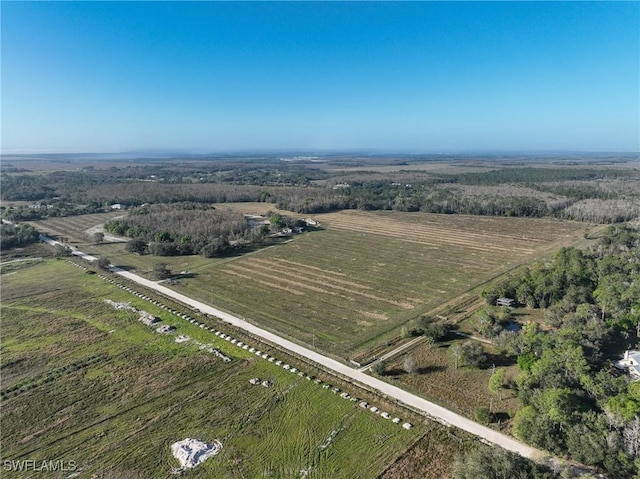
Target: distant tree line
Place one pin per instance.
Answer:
(498, 200)
(602, 195)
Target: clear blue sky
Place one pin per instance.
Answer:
(421, 77)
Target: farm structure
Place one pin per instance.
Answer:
(506, 302)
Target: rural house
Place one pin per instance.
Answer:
(631, 363)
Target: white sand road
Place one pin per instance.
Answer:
(435, 411)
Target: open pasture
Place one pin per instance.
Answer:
(105, 391)
(368, 273)
(73, 228)
(502, 237)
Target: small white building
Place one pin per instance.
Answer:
(505, 302)
(631, 363)
(118, 206)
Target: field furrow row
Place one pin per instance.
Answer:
(429, 238)
(271, 268)
(268, 274)
(324, 274)
(263, 283)
(435, 230)
(458, 259)
(518, 229)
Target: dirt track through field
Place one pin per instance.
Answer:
(433, 410)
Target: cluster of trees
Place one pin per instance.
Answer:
(182, 229)
(602, 281)
(470, 353)
(452, 202)
(597, 210)
(433, 329)
(192, 228)
(491, 321)
(573, 401)
(495, 463)
(17, 235)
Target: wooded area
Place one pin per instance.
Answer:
(192, 228)
(183, 228)
(17, 235)
(574, 401)
(599, 194)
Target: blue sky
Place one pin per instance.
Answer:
(411, 77)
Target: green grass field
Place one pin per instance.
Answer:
(83, 381)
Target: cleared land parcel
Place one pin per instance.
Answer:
(368, 273)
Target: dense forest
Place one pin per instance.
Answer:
(574, 401)
(600, 194)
